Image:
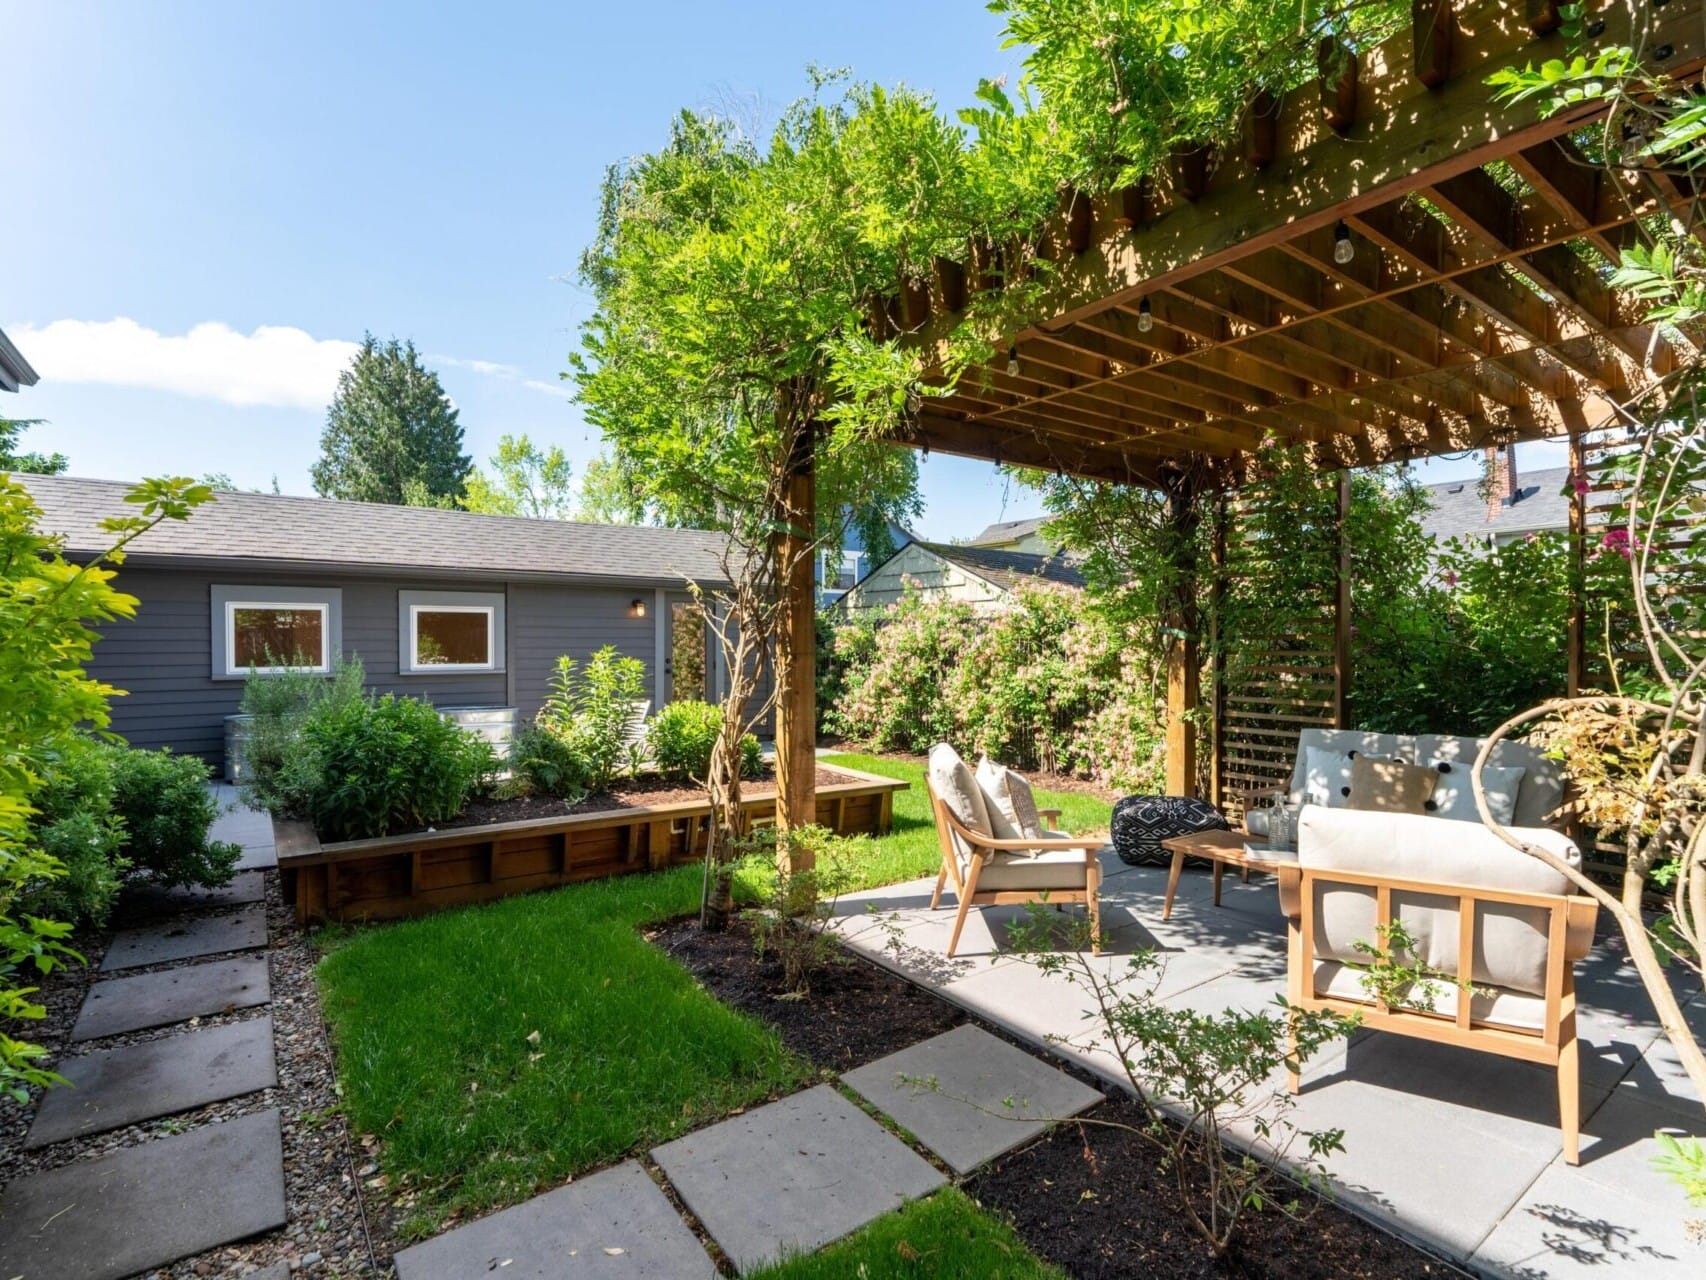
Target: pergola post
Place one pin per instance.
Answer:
(1217, 656)
(1342, 609)
(1184, 669)
(1577, 634)
(796, 644)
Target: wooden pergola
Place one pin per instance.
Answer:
(1391, 265)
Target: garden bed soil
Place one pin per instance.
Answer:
(1091, 1199)
(630, 793)
(856, 1012)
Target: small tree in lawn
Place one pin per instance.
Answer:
(729, 356)
(391, 433)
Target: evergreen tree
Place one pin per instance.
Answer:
(390, 431)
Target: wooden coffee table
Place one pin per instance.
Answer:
(1224, 849)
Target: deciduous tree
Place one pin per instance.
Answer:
(525, 480)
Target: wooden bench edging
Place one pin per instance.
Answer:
(299, 846)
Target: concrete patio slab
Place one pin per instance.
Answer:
(142, 902)
(172, 995)
(1613, 1213)
(146, 1206)
(614, 1223)
(1659, 1076)
(114, 1087)
(988, 1097)
(240, 930)
(793, 1175)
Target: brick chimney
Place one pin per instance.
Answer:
(1502, 483)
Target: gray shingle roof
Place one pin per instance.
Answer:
(1459, 511)
(1008, 569)
(267, 530)
(1009, 531)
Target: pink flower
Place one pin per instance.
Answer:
(1579, 482)
(1450, 578)
(1618, 540)
(1531, 537)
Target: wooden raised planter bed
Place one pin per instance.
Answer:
(422, 871)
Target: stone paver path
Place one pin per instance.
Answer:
(614, 1223)
(109, 1088)
(241, 930)
(146, 902)
(793, 1175)
(172, 995)
(146, 1205)
(970, 1096)
(242, 825)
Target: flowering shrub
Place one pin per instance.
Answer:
(1050, 682)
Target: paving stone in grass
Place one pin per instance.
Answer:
(146, 901)
(793, 1175)
(113, 1087)
(183, 940)
(172, 995)
(966, 1119)
(614, 1223)
(148, 1205)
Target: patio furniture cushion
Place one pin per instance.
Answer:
(992, 781)
(1327, 774)
(1025, 814)
(954, 785)
(1141, 823)
(1387, 746)
(1510, 941)
(1037, 870)
(1390, 786)
(1454, 796)
(1498, 1006)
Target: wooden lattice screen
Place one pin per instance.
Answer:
(1280, 656)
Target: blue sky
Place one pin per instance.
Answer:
(250, 187)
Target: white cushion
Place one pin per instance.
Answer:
(1327, 775)
(955, 786)
(997, 801)
(1510, 941)
(1039, 869)
(1542, 789)
(1496, 1006)
(1387, 746)
(1454, 793)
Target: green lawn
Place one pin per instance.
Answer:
(911, 851)
(943, 1237)
(500, 1049)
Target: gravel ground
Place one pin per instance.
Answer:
(326, 1234)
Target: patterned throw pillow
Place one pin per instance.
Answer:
(998, 800)
(1391, 786)
(1454, 793)
(1019, 795)
(1327, 776)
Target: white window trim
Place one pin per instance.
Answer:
(415, 667)
(322, 607)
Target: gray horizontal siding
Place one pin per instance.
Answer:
(547, 622)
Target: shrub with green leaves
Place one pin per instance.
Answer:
(681, 736)
(546, 764)
(75, 824)
(590, 712)
(167, 811)
(390, 764)
(280, 777)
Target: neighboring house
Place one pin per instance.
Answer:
(979, 576)
(839, 572)
(1509, 507)
(463, 610)
(1017, 535)
(15, 371)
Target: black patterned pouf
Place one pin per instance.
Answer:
(1141, 823)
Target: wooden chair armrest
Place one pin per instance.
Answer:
(1578, 936)
(1290, 878)
(1050, 816)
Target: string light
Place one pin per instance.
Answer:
(1145, 317)
(1343, 249)
(1013, 361)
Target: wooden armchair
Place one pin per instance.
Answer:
(990, 872)
(1517, 947)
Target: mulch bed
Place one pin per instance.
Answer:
(856, 1012)
(630, 793)
(1094, 1201)
(1088, 1198)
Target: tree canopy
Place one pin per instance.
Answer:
(32, 463)
(391, 432)
(525, 480)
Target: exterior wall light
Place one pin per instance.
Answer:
(637, 609)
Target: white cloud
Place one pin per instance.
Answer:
(505, 372)
(274, 365)
(559, 389)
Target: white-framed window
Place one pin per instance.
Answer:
(452, 637)
(267, 630)
(441, 632)
(841, 573)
